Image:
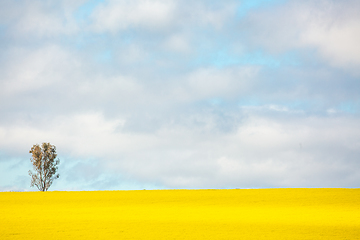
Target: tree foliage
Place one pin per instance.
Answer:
(45, 166)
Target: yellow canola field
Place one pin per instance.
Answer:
(182, 214)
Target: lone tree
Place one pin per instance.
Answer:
(45, 166)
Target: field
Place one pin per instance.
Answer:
(182, 214)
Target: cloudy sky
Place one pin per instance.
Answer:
(168, 94)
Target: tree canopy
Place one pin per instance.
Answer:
(45, 166)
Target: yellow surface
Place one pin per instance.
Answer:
(182, 214)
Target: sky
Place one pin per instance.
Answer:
(170, 94)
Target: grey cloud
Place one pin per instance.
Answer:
(260, 151)
(301, 152)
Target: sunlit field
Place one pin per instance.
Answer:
(182, 214)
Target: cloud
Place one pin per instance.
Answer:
(209, 14)
(330, 27)
(39, 68)
(335, 32)
(207, 83)
(120, 15)
(114, 16)
(178, 43)
(261, 151)
(39, 18)
(161, 94)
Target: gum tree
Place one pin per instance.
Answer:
(45, 166)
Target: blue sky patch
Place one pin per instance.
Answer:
(349, 107)
(85, 10)
(248, 5)
(104, 56)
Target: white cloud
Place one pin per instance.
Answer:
(40, 18)
(212, 14)
(330, 27)
(303, 152)
(178, 43)
(80, 134)
(262, 151)
(336, 39)
(120, 15)
(29, 70)
(207, 83)
(132, 54)
(156, 15)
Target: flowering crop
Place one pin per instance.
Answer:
(182, 214)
